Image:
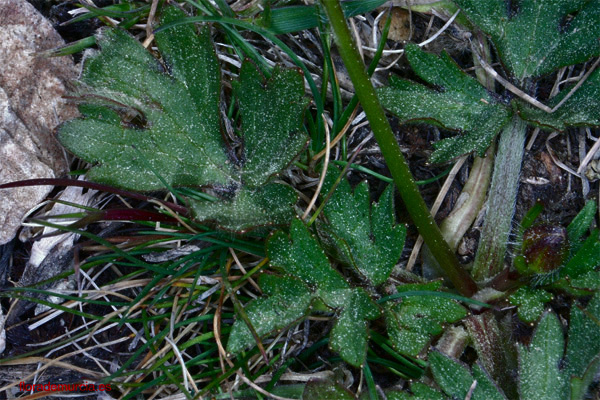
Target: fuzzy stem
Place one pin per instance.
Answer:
(391, 152)
(501, 204)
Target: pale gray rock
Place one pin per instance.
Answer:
(31, 106)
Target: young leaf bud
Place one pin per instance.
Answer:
(545, 247)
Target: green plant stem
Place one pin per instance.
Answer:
(391, 152)
(501, 201)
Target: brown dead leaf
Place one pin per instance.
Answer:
(399, 26)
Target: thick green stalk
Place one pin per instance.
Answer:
(391, 152)
(501, 201)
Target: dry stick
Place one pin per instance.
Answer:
(323, 173)
(173, 214)
(390, 150)
(339, 136)
(241, 267)
(471, 390)
(147, 362)
(588, 157)
(149, 33)
(60, 364)
(258, 388)
(532, 139)
(57, 361)
(556, 161)
(531, 100)
(577, 86)
(240, 309)
(423, 43)
(217, 332)
(581, 141)
(187, 377)
(334, 186)
(436, 206)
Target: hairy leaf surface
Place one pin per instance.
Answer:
(365, 236)
(420, 392)
(539, 373)
(326, 390)
(300, 257)
(536, 37)
(582, 108)
(584, 337)
(413, 322)
(530, 302)
(456, 379)
(288, 301)
(149, 124)
(457, 102)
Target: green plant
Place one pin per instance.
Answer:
(413, 322)
(541, 375)
(161, 120)
(147, 130)
(556, 259)
(308, 280)
(392, 154)
(458, 102)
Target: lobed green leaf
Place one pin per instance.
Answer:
(413, 322)
(301, 256)
(288, 301)
(366, 237)
(530, 302)
(308, 273)
(584, 337)
(582, 222)
(151, 124)
(272, 116)
(586, 259)
(270, 204)
(457, 102)
(349, 335)
(536, 37)
(582, 108)
(326, 390)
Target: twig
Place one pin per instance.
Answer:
(323, 173)
(588, 157)
(258, 388)
(577, 86)
(436, 206)
(529, 99)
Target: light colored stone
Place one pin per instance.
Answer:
(31, 106)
